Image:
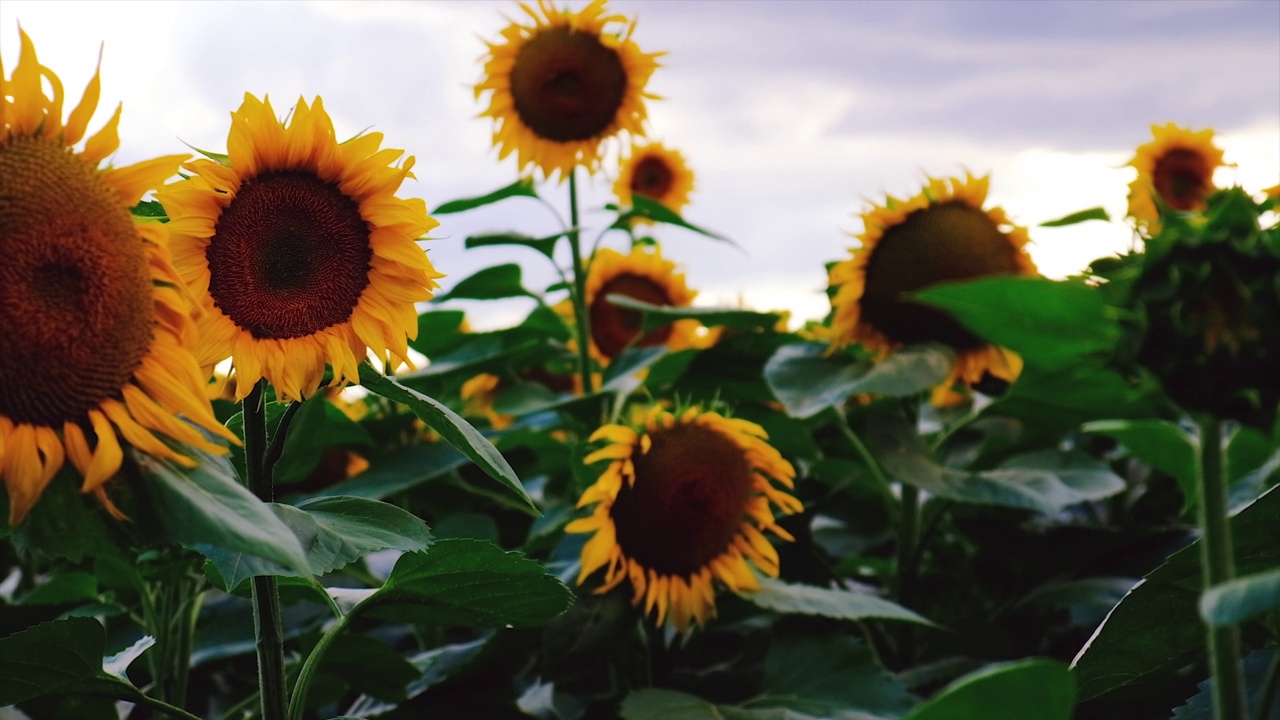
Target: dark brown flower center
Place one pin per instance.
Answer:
(688, 502)
(945, 242)
(652, 178)
(1183, 178)
(289, 256)
(614, 328)
(76, 301)
(567, 85)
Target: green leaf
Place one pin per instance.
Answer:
(656, 316)
(1079, 217)
(824, 676)
(1162, 445)
(1157, 626)
(545, 245)
(451, 426)
(468, 583)
(1051, 324)
(1046, 481)
(62, 657)
(491, 283)
(643, 207)
(149, 209)
(73, 586)
(368, 665)
(206, 505)
(520, 188)
(657, 704)
(1256, 666)
(1041, 689)
(318, 426)
(438, 332)
(334, 532)
(64, 524)
(828, 602)
(1241, 599)
(806, 379)
(400, 471)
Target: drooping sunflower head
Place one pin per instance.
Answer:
(684, 502)
(645, 276)
(299, 250)
(1175, 170)
(93, 321)
(563, 84)
(656, 173)
(941, 235)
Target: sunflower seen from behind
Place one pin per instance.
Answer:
(1175, 171)
(563, 83)
(94, 323)
(657, 173)
(684, 505)
(943, 234)
(299, 250)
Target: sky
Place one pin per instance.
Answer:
(794, 115)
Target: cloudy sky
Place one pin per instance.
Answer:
(793, 114)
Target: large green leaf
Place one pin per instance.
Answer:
(1160, 444)
(1040, 689)
(1257, 668)
(1241, 599)
(807, 378)
(520, 188)
(1049, 323)
(63, 657)
(64, 523)
(648, 208)
(318, 426)
(491, 283)
(206, 506)
(545, 245)
(827, 676)
(829, 602)
(658, 704)
(438, 332)
(656, 316)
(1157, 626)
(399, 471)
(451, 426)
(470, 583)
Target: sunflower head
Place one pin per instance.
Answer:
(93, 321)
(1175, 171)
(656, 173)
(562, 84)
(478, 395)
(646, 276)
(299, 250)
(684, 502)
(941, 235)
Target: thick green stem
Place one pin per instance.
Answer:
(267, 625)
(298, 700)
(1218, 564)
(582, 320)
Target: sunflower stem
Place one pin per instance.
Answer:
(1217, 561)
(268, 628)
(581, 319)
(298, 701)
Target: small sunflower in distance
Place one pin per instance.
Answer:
(656, 173)
(1175, 169)
(93, 326)
(941, 235)
(685, 501)
(645, 276)
(300, 252)
(560, 86)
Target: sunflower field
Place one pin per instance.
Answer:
(258, 465)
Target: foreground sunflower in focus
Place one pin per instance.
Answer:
(656, 173)
(562, 85)
(643, 275)
(941, 235)
(299, 250)
(1175, 170)
(686, 500)
(93, 326)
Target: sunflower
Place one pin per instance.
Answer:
(645, 276)
(300, 252)
(656, 173)
(562, 85)
(684, 501)
(93, 323)
(478, 395)
(941, 235)
(1174, 170)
